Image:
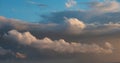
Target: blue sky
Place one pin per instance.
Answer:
(27, 11)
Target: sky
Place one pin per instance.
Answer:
(59, 31)
(29, 10)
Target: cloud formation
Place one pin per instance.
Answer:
(106, 6)
(20, 55)
(70, 3)
(4, 51)
(74, 25)
(69, 26)
(59, 46)
(77, 33)
(38, 4)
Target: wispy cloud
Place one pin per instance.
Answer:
(4, 51)
(70, 3)
(20, 55)
(36, 3)
(105, 6)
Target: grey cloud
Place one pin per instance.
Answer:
(4, 51)
(20, 55)
(87, 17)
(70, 26)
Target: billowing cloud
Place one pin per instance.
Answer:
(59, 46)
(70, 3)
(74, 25)
(85, 33)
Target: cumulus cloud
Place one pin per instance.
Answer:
(70, 3)
(74, 25)
(59, 46)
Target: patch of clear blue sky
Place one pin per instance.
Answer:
(21, 9)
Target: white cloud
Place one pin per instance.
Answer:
(74, 25)
(106, 6)
(25, 38)
(70, 3)
(32, 2)
(37, 3)
(59, 46)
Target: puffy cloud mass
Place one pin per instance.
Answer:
(59, 46)
(74, 25)
(95, 31)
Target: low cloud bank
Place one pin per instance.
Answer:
(59, 46)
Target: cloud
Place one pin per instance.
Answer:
(85, 16)
(97, 7)
(21, 25)
(4, 51)
(70, 3)
(2, 18)
(12, 54)
(74, 25)
(59, 46)
(69, 26)
(20, 55)
(106, 6)
(36, 3)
